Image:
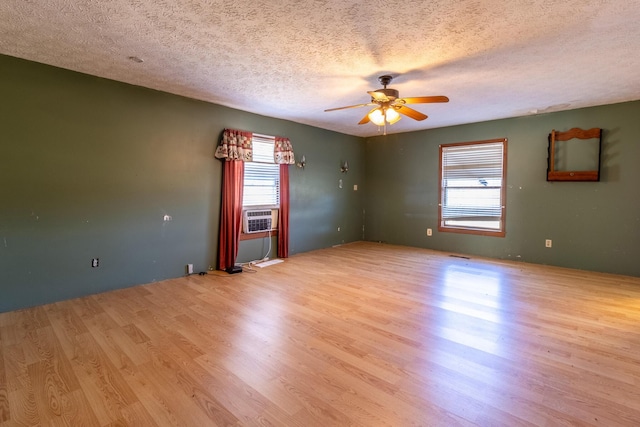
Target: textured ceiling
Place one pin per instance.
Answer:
(292, 59)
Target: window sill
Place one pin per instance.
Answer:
(472, 231)
(261, 235)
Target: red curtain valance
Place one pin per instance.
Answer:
(238, 145)
(283, 151)
(235, 145)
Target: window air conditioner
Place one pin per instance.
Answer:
(255, 221)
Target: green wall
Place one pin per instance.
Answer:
(90, 167)
(594, 225)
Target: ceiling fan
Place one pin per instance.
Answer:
(389, 106)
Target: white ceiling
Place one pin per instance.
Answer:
(292, 59)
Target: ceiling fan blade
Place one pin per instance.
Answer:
(410, 112)
(348, 106)
(425, 99)
(378, 96)
(366, 118)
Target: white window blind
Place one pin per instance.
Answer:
(262, 176)
(472, 186)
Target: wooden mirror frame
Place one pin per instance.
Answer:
(586, 175)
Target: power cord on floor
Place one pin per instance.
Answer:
(248, 266)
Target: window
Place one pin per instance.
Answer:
(262, 176)
(472, 187)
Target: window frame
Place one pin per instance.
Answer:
(442, 227)
(260, 159)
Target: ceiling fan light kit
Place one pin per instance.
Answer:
(381, 116)
(389, 106)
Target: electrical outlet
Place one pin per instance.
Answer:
(189, 268)
(355, 187)
(338, 228)
(429, 232)
(95, 262)
(548, 243)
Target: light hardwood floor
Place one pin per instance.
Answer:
(359, 335)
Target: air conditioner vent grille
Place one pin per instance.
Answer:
(256, 221)
(259, 213)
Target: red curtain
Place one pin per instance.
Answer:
(234, 149)
(283, 216)
(231, 217)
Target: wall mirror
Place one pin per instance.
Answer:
(574, 155)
